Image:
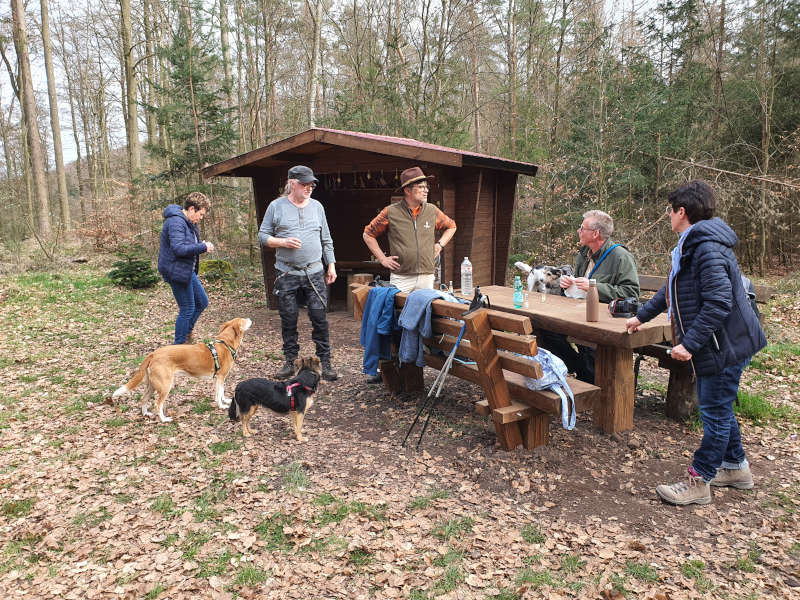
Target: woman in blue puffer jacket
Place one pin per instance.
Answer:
(715, 330)
(178, 260)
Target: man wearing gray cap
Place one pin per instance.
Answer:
(296, 226)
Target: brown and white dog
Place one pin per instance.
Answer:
(159, 368)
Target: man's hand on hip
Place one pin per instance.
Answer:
(390, 262)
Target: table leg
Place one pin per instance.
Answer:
(613, 373)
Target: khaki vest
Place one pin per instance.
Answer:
(412, 241)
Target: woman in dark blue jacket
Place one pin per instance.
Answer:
(178, 260)
(715, 330)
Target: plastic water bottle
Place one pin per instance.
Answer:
(517, 292)
(466, 278)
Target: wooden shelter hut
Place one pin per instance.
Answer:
(359, 174)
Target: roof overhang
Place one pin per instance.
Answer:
(304, 146)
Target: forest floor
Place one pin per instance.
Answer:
(101, 502)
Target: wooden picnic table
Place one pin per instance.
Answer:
(615, 347)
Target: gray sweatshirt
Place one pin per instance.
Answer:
(309, 224)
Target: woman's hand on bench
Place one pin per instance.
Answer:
(632, 325)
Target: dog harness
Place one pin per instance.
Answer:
(215, 356)
(290, 393)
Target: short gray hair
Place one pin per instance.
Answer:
(601, 222)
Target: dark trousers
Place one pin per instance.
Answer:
(581, 362)
(292, 289)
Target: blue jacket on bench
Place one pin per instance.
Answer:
(377, 324)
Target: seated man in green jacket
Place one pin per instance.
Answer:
(615, 271)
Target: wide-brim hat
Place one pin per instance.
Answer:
(412, 176)
(302, 174)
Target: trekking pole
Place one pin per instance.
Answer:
(432, 400)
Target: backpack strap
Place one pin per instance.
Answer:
(602, 258)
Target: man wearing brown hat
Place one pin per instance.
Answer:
(411, 226)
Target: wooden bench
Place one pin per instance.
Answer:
(493, 340)
(681, 398)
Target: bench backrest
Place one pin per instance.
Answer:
(653, 283)
(510, 335)
(491, 339)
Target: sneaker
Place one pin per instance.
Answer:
(377, 378)
(286, 371)
(693, 490)
(741, 479)
(328, 374)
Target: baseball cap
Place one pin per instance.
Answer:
(302, 174)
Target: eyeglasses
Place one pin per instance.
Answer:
(422, 186)
(582, 228)
(310, 184)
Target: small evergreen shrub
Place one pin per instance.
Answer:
(214, 269)
(133, 272)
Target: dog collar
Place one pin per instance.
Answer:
(290, 393)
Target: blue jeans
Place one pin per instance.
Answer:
(192, 300)
(722, 441)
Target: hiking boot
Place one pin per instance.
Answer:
(693, 490)
(741, 479)
(287, 370)
(377, 378)
(328, 373)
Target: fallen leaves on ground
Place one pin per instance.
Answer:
(101, 502)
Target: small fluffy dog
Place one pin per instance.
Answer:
(159, 368)
(544, 278)
(295, 396)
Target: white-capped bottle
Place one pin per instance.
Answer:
(466, 278)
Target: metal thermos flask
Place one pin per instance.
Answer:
(592, 302)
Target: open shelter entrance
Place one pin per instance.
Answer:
(358, 175)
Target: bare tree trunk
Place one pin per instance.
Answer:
(55, 123)
(26, 168)
(29, 106)
(563, 23)
(718, 71)
(150, 117)
(226, 52)
(316, 16)
(766, 72)
(240, 94)
(475, 77)
(4, 128)
(187, 15)
(132, 123)
(512, 73)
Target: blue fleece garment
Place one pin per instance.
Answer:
(377, 324)
(416, 323)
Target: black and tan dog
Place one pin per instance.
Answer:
(295, 396)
